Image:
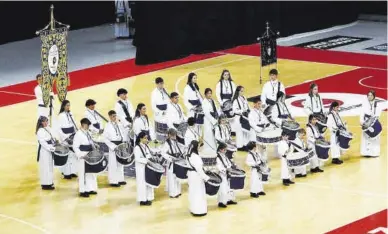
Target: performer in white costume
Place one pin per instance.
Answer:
(159, 100)
(191, 133)
(82, 145)
(271, 89)
(141, 122)
(42, 109)
(45, 159)
(313, 134)
(193, 99)
(334, 124)
(257, 119)
(114, 136)
(225, 193)
(175, 115)
(370, 147)
(225, 87)
(94, 117)
(241, 122)
(124, 110)
(66, 130)
(285, 149)
(196, 181)
(145, 193)
(313, 103)
(254, 161)
(211, 120)
(123, 18)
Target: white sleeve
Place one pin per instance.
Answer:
(250, 161)
(127, 8)
(282, 88)
(41, 138)
(206, 112)
(153, 102)
(217, 134)
(236, 108)
(331, 123)
(93, 121)
(218, 93)
(120, 114)
(253, 122)
(139, 158)
(362, 113)
(107, 138)
(164, 152)
(76, 145)
(186, 97)
(198, 169)
(263, 96)
(310, 135)
(220, 166)
(61, 123)
(137, 124)
(307, 106)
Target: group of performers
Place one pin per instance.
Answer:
(197, 146)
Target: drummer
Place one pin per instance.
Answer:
(241, 122)
(285, 149)
(114, 136)
(225, 194)
(175, 115)
(257, 119)
(272, 89)
(171, 152)
(313, 103)
(313, 134)
(145, 193)
(141, 122)
(191, 133)
(225, 87)
(193, 99)
(93, 117)
(280, 111)
(223, 134)
(124, 109)
(211, 120)
(254, 161)
(335, 124)
(82, 145)
(159, 101)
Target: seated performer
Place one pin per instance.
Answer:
(145, 193)
(211, 116)
(285, 149)
(66, 132)
(94, 117)
(171, 152)
(175, 115)
(83, 144)
(241, 122)
(141, 122)
(271, 89)
(191, 133)
(45, 158)
(225, 87)
(370, 147)
(159, 101)
(124, 110)
(313, 103)
(334, 124)
(193, 99)
(254, 161)
(312, 135)
(42, 109)
(196, 181)
(223, 133)
(225, 194)
(114, 136)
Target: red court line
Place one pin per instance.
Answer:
(365, 225)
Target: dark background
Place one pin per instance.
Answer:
(171, 30)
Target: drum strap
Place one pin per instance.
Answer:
(142, 151)
(312, 129)
(214, 108)
(38, 156)
(231, 88)
(222, 161)
(72, 120)
(125, 109)
(312, 105)
(335, 120)
(297, 146)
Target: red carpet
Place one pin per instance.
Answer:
(115, 71)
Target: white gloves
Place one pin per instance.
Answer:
(52, 149)
(371, 129)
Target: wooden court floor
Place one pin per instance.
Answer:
(316, 204)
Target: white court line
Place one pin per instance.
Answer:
(25, 223)
(373, 87)
(22, 94)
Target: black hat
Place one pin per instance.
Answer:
(90, 102)
(254, 99)
(273, 72)
(121, 91)
(159, 80)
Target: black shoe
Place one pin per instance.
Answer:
(148, 203)
(84, 194)
(48, 187)
(255, 195)
(299, 175)
(92, 193)
(241, 149)
(262, 193)
(174, 196)
(122, 183)
(291, 182)
(286, 182)
(336, 161)
(179, 194)
(115, 185)
(231, 202)
(319, 169)
(143, 203)
(198, 215)
(222, 205)
(314, 170)
(67, 177)
(73, 176)
(340, 161)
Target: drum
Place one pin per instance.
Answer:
(236, 178)
(209, 161)
(70, 139)
(153, 174)
(227, 108)
(231, 146)
(291, 127)
(374, 123)
(60, 154)
(199, 115)
(95, 162)
(245, 125)
(180, 169)
(322, 148)
(344, 138)
(161, 131)
(99, 142)
(181, 131)
(298, 159)
(124, 154)
(321, 123)
(310, 153)
(269, 137)
(213, 184)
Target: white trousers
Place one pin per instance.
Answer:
(225, 194)
(285, 171)
(256, 183)
(173, 183)
(87, 182)
(71, 165)
(115, 169)
(335, 150)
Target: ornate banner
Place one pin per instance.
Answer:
(268, 50)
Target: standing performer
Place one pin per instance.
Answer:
(285, 149)
(280, 112)
(222, 130)
(193, 99)
(123, 16)
(334, 123)
(45, 158)
(82, 145)
(272, 88)
(257, 120)
(191, 133)
(159, 101)
(225, 194)
(114, 136)
(145, 193)
(141, 122)
(96, 127)
(254, 161)
(242, 127)
(175, 115)
(312, 135)
(172, 152)
(211, 116)
(66, 132)
(225, 87)
(196, 181)
(300, 146)
(124, 110)
(42, 109)
(313, 103)
(370, 147)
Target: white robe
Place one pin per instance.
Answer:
(284, 150)
(225, 194)
(192, 95)
(256, 119)
(333, 128)
(46, 162)
(277, 110)
(95, 119)
(191, 135)
(115, 169)
(240, 105)
(142, 124)
(369, 146)
(312, 135)
(65, 121)
(196, 181)
(175, 115)
(226, 89)
(121, 114)
(174, 184)
(222, 133)
(253, 160)
(313, 105)
(159, 97)
(144, 191)
(270, 90)
(87, 182)
(42, 110)
(122, 7)
(209, 140)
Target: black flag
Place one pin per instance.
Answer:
(268, 50)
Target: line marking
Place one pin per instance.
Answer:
(18, 141)
(25, 222)
(16, 93)
(368, 86)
